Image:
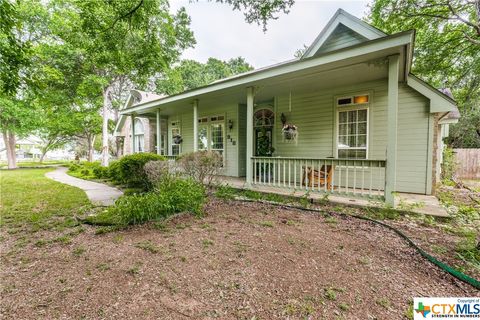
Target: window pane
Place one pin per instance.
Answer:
(362, 128)
(202, 139)
(362, 115)
(217, 136)
(352, 141)
(360, 99)
(344, 101)
(342, 117)
(342, 129)
(352, 116)
(361, 154)
(352, 128)
(342, 141)
(362, 141)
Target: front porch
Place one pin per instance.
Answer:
(417, 203)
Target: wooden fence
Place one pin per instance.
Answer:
(468, 163)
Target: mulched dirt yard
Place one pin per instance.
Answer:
(240, 261)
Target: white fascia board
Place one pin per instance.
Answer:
(119, 125)
(438, 101)
(351, 22)
(399, 39)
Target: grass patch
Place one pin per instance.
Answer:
(32, 202)
(148, 246)
(268, 224)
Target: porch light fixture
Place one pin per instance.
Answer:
(283, 119)
(230, 124)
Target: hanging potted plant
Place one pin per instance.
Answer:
(177, 139)
(290, 132)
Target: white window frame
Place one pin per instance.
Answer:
(175, 125)
(352, 107)
(139, 137)
(208, 125)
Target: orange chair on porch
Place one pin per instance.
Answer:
(314, 178)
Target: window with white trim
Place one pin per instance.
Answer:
(175, 132)
(139, 138)
(211, 133)
(352, 127)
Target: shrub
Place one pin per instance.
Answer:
(159, 171)
(130, 169)
(449, 166)
(101, 172)
(170, 197)
(201, 166)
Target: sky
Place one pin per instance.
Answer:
(223, 33)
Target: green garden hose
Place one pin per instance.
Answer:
(457, 274)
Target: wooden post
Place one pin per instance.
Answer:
(132, 119)
(249, 134)
(392, 119)
(159, 133)
(195, 125)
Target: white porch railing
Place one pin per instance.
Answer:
(363, 178)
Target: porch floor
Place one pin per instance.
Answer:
(427, 204)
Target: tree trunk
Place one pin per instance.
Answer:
(90, 142)
(44, 152)
(105, 114)
(9, 139)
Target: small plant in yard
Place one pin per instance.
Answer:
(384, 302)
(344, 306)
(331, 220)
(207, 243)
(268, 224)
(330, 294)
(135, 269)
(148, 246)
(103, 266)
(78, 251)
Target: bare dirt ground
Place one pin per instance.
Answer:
(240, 261)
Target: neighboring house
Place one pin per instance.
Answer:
(348, 117)
(30, 148)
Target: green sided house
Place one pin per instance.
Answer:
(347, 118)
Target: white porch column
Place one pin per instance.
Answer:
(195, 125)
(132, 120)
(392, 115)
(249, 135)
(159, 133)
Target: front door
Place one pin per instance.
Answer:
(263, 141)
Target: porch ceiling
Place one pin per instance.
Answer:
(327, 76)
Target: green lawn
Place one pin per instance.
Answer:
(36, 163)
(31, 202)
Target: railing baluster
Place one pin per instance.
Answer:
(340, 176)
(363, 177)
(254, 170)
(333, 176)
(354, 175)
(284, 173)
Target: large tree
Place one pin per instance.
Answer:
(15, 116)
(131, 39)
(190, 74)
(447, 51)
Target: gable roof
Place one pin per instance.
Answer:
(346, 26)
(135, 97)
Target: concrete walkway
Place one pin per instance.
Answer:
(97, 193)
